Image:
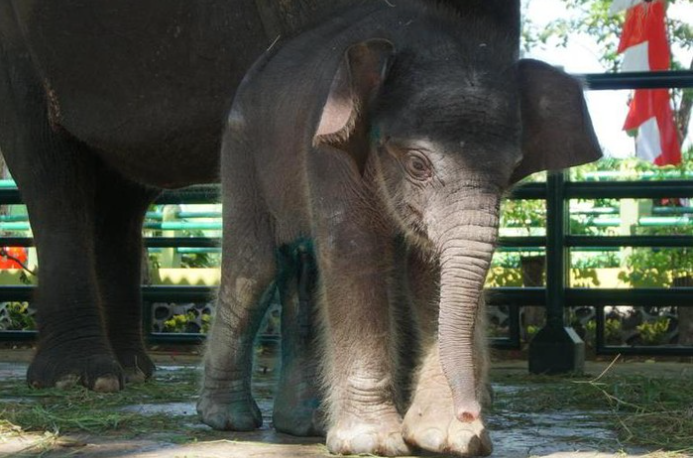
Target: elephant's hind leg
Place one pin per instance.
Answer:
(120, 208)
(296, 410)
(248, 271)
(248, 278)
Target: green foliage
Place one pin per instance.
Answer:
(656, 268)
(592, 18)
(507, 277)
(655, 333)
(612, 332)
(633, 169)
(601, 260)
(526, 214)
(19, 317)
(206, 320)
(179, 323)
(585, 277)
(531, 331)
(200, 260)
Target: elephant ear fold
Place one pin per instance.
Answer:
(556, 128)
(343, 123)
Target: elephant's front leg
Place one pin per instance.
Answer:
(430, 423)
(363, 416)
(354, 267)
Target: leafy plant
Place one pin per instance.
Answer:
(525, 215)
(585, 277)
(657, 268)
(655, 333)
(19, 317)
(182, 322)
(532, 330)
(612, 331)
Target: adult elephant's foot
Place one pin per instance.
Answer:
(379, 433)
(137, 366)
(95, 368)
(430, 424)
(224, 408)
(296, 409)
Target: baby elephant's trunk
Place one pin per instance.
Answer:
(465, 259)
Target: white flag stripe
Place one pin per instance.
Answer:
(636, 58)
(648, 140)
(620, 5)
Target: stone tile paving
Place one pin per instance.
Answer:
(514, 434)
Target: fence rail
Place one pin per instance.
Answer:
(555, 297)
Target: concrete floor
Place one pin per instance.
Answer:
(542, 435)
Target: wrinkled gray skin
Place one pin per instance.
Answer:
(387, 137)
(103, 104)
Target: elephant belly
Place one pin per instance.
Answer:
(150, 90)
(168, 165)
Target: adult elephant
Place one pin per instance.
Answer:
(101, 106)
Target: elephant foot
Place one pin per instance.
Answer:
(297, 411)
(379, 434)
(97, 371)
(137, 366)
(430, 425)
(297, 407)
(222, 409)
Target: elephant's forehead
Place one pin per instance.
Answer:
(450, 103)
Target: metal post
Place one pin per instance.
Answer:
(556, 348)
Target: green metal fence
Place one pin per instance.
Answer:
(556, 296)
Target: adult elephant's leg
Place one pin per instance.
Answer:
(296, 410)
(56, 177)
(430, 423)
(60, 198)
(120, 209)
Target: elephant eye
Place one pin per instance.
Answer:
(417, 166)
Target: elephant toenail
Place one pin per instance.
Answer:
(66, 382)
(107, 385)
(364, 443)
(431, 439)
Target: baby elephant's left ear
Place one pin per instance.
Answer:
(556, 127)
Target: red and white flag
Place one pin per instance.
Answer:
(645, 48)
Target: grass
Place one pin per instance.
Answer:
(81, 410)
(644, 410)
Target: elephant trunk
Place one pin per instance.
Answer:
(466, 252)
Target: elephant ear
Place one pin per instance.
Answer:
(556, 128)
(344, 121)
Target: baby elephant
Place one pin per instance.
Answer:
(396, 124)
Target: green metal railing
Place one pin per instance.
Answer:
(556, 297)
